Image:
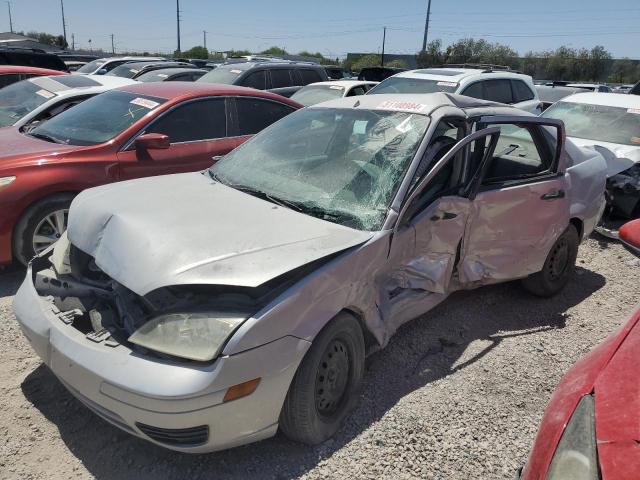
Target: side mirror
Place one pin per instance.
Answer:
(152, 141)
(102, 71)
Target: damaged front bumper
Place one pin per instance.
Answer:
(176, 405)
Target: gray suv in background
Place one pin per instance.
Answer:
(283, 78)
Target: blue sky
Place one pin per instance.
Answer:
(335, 27)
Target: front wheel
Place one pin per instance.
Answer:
(558, 267)
(327, 384)
(41, 226)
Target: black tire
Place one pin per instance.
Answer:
(558, 267)
(309, 415)
(23, 249)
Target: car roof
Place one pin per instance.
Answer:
(423, 103)
(70, 85)
(455, 74)
(174, 90)
(26, 69)
(172, 70)
(142, 59)
(344, 83)
(271, 64)
(622, 100)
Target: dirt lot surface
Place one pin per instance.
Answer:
(457, 394)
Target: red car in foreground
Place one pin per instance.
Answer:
(14, 73)
(629, 235)
(134, 131)
(591, 427)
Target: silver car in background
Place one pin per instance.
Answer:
(206, 310)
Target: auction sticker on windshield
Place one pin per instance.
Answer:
(404, 106)
(144, 102)
(45, 93)
(447, 84)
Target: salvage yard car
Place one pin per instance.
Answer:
(323, 91)
(590, 429)
(611, 121)
(15, 73)
(36, 100)
(483, 82)
(135, 131)
(206, 310)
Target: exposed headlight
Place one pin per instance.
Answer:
(195, 336)
(6, 181)
(576, 457)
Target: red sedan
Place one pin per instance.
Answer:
(135, 131)
(14, 73)
(629, 235)
(591, 428)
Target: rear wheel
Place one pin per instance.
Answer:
(558, 267)
(327, 384)
(41, 225)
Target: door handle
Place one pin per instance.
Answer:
(445, 216)
(553, 194)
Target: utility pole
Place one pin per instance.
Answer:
(113, 48)
(10, 19)
(73, 41)
(64, 23)
(426, 27)
(384, 38)
(204, 32)
(178, 21)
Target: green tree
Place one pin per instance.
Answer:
(274, 51)
(397, 64)
(47, 38)
(371, 60)
(432, 56)
(196, 52)
(238, 53)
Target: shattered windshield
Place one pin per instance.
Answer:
(598, 122)
(341, 165)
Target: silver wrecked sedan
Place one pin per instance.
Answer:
(206, 310)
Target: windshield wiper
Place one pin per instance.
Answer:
(330, 215)
(44, 136)
(264, 195)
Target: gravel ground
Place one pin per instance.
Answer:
(457, 394)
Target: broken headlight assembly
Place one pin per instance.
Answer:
(198, 336)
(576, 456)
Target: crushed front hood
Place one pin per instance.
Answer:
(618, 157)
(188, 229)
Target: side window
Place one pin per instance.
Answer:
(309, 76)
(199, 120)
(474, 90)
(449, 178)
(255, 79)
(8, 79)
(498, 91)
(355, 91)
(521, 91)
(281, 78)
(519, 154)
(255, 114)
(111, 65)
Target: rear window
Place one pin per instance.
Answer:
(280, 78)
(498, 91)
(312, 94)
(91, 66)
(412, 85)
(310, 76)
(223, 74)
(521, 91)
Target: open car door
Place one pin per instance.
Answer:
(520, 203)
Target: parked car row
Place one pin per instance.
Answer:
(237, 290)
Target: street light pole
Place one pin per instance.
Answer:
(384, 38)
(10, 19)
(64, 23)
(178, 21)
(426, 27)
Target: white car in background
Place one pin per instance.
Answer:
(100, 66)
(38, 99)
(319, 92)
(593, 87)
(611, 121)
(486, 83)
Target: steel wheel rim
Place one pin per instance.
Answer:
(332, 377)
(49, 229)
(559, 259)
